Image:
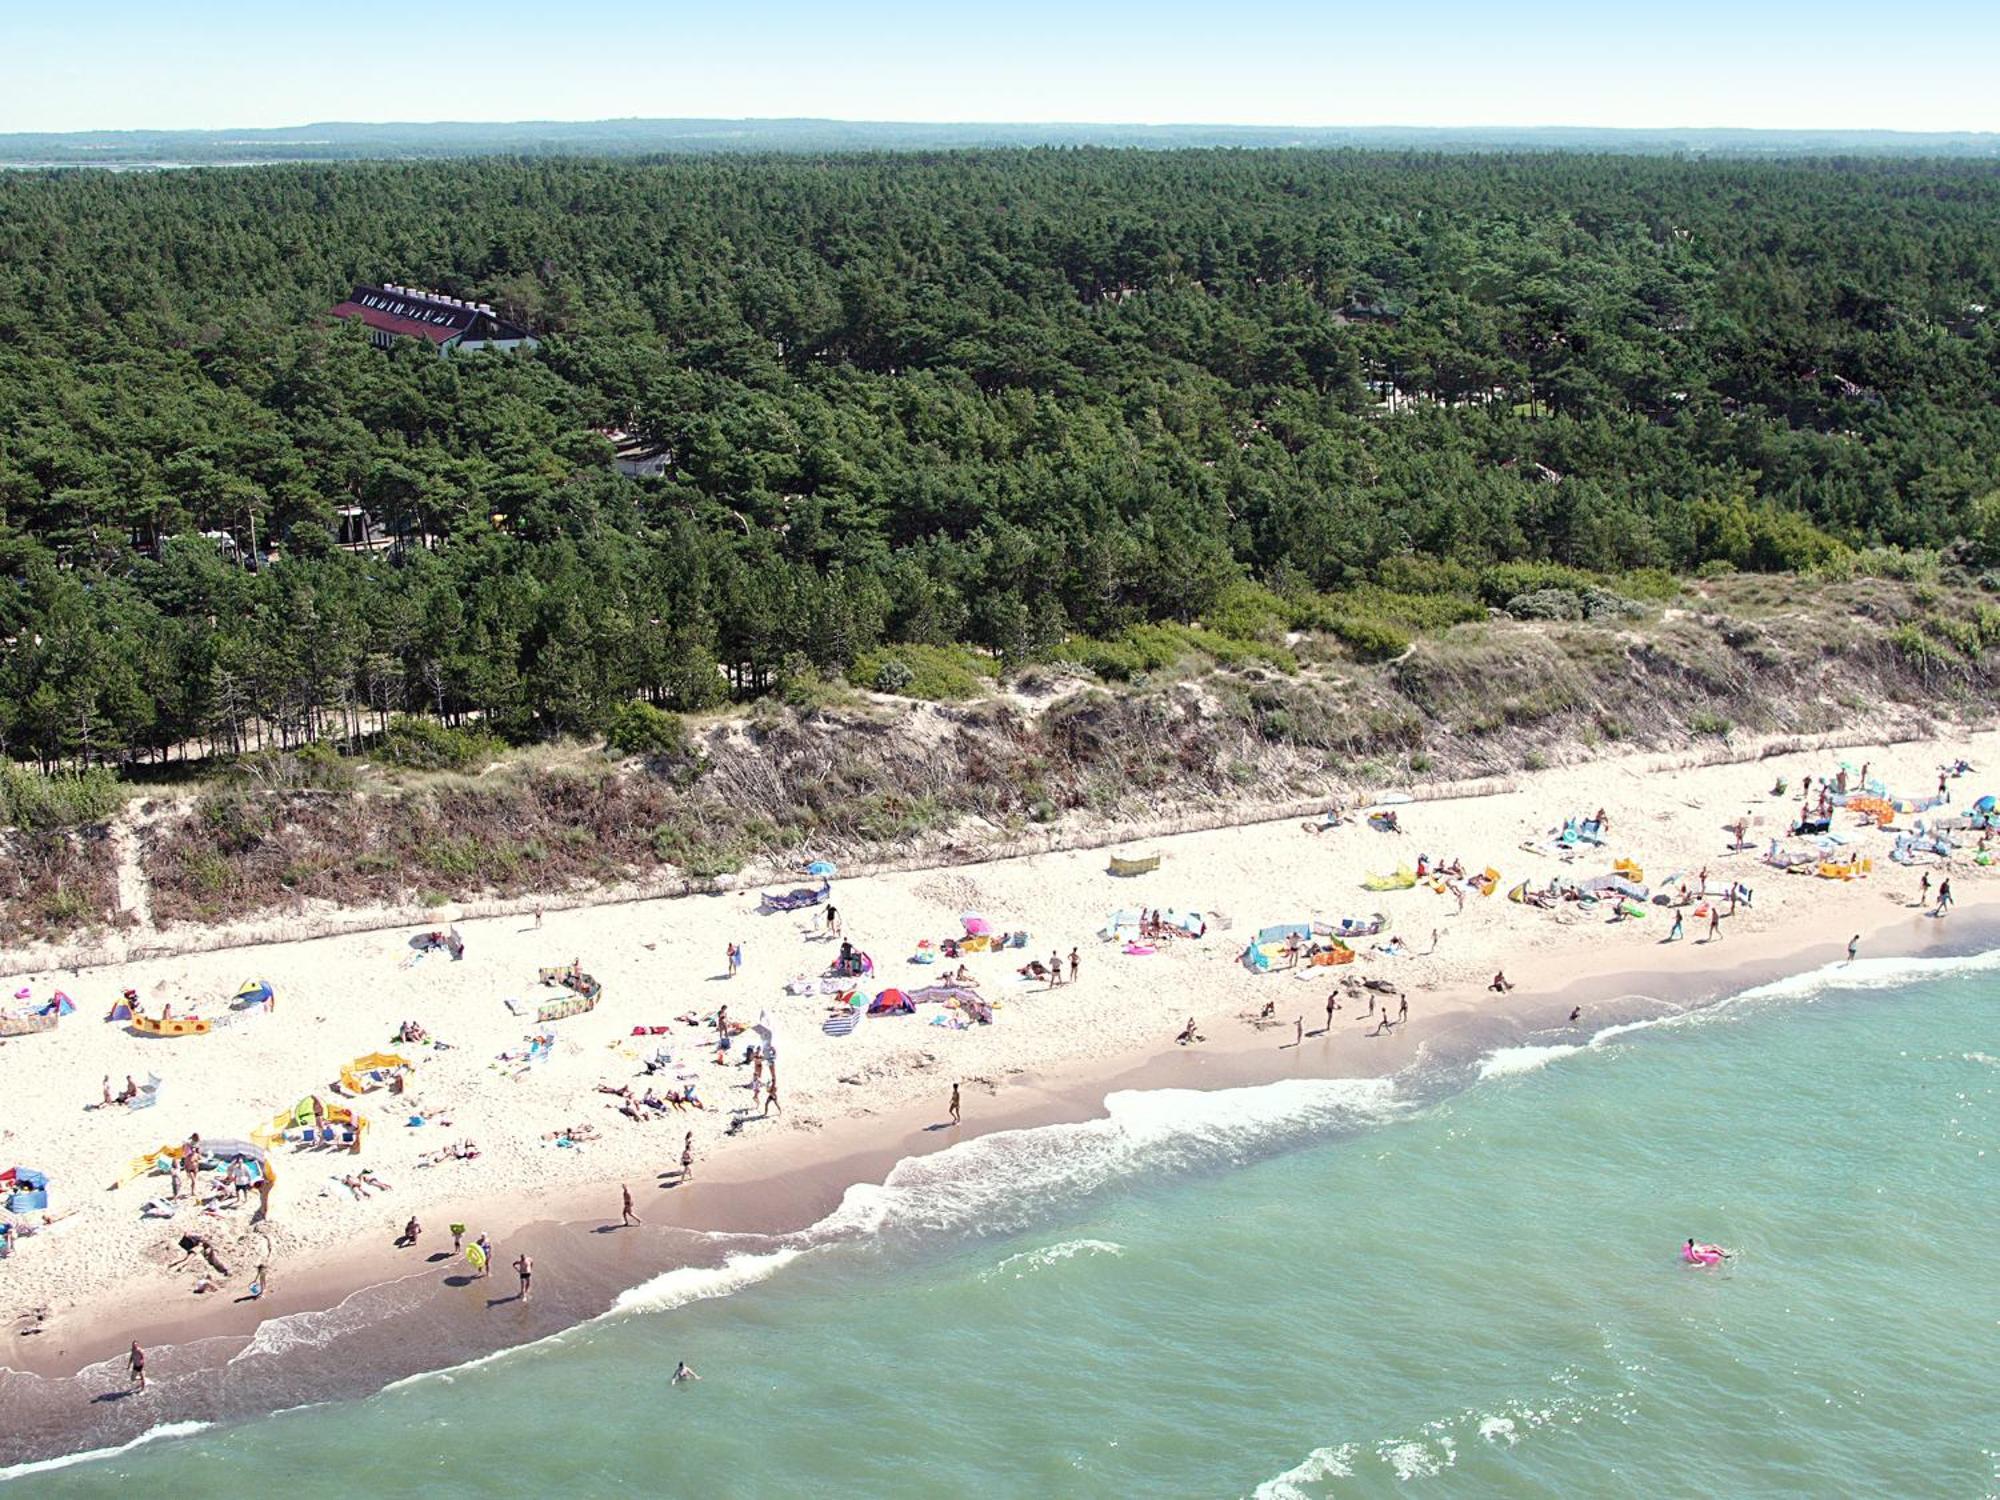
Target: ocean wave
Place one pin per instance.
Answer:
(1511, 1062)
(1860, 974)
(685, 1284)
(1007, 1181)
(1035, 1260)
(150, 1435)
(1320, 1464)
(315, 1328)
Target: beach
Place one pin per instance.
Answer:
(852, 1106)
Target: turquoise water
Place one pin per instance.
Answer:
(1306, 1290)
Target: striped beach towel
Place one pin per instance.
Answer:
(841, 1025)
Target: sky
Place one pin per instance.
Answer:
(1776, 64)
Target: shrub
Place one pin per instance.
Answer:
(37, 803)
(936, 674)
(1371, 640)
(1703, 721)
(1504, 580)
(426, 745)
(1247, 612)
(641, 729)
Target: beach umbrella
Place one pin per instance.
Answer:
(821, 867)
(976, 925)
(1985, 804)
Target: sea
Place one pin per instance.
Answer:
(1462, 1280)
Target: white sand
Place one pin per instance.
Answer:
(342, 997)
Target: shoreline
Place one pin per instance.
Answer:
(774, 1185)
(754, 1206)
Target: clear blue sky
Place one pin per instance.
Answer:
(1766, 63)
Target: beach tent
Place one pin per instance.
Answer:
(59, 1005)
(121, 1010)
(976, 925)
(254, 992)
(822, 868)
(1118, 922)
(892, 1002)
(27, 1190)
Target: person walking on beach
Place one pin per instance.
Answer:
(832, 920)
(626, 1217)
(771, 1094)
(1575, 1014)
(1402, 1009)
(1944, 896)
(1674, 933)
(954, 1104)
(687, 1158)
(1924, 890)
(485, 1257)
(1853, 947)
(524, 1267)
(136, 1363)
(1332, 1005)
(1299, 1031)
(1714, 923)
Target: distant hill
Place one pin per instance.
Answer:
(347, 141)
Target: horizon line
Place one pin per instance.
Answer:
(1010, 123)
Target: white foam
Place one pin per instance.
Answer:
(150, 1435)
(1318, 1465)
(1499, 1430)
(1035, 1260)
(1412, 1459)
(1861, 974)
(685, 1284)
(1004, 1182)
(1511, 1062)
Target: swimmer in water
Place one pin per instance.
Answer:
(683, 1373)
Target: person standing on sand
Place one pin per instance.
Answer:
(1853, 947)
(136, 1363)
(771, 1094)
(1402, 1009)
(626, 1217)
(524, 1267)
(1075, 964)
(538, 919)
(1332, 1005)
(687, 1158)
(1714, 923)
(735, 959)
(1924, 890)
(1055, 968)
(1674, 932)
(954, 1104)
(485, 1257)
(832, 920)
(1299, 1031)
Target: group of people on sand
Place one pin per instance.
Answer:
(651, 1104)
(1050, 973)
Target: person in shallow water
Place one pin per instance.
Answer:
(683, 1373)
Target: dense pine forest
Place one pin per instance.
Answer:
(1031, 403)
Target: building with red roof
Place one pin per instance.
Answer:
(391, 312)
